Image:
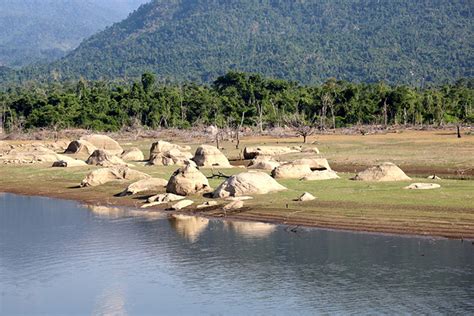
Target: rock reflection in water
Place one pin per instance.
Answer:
(190, 227)
(251, 229)
(111, 212)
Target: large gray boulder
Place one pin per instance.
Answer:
(210, 156)
(145, 185)
(132, 154)
(386, 171)
(104, 175)
(171, 158)
(291, 171)
(162, 146)
(188, 180)
(101, 158)
(263, 163)
(104, 142)
(80, 147)
(321, 175)
(247, 183)
(313, 163)
(253, 151)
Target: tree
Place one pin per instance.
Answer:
(148, 81)
(300, 125)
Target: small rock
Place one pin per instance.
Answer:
(434, 177)
(181, 204)
(165, 198)
(306, 197)
(423, 186)
(235, 205)
(239, 198)
(60, 164)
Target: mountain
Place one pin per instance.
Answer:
(400, 41)
(44, 30)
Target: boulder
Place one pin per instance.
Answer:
(145, 185)
(171, 158)
(30, 154)
(104, 142)
(305, 197)
(321, 175)
(59, 164)
(291, 171)
(313, 163)
(247, 183)
(101, 158)
(58, 145)
(386, 171)
(104, 175)
(80, 147)
(423, 186)
(66, 161)
(263, 163)
(252, 152)
(165, 198)
(181, 204)
(188, 180)
(132, 154)
(161, 146)
(210, 156)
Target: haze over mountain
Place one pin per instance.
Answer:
(44, 30)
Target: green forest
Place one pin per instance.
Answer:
(402, 41)
(233, 100)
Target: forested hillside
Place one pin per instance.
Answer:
(44, 30)
(400, 41)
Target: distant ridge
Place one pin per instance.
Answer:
(44, 30)
(403, 41)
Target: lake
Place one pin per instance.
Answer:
(62, 258)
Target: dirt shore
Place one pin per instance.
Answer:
(421, 227)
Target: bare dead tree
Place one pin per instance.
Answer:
(298, 123)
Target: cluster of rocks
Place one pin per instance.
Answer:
(188, 180)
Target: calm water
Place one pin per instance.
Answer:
(58, 257)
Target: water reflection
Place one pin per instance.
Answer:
(112, 212)
(57, 258)
(189, 227)
(251, 229)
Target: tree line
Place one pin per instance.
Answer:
(235, 99)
